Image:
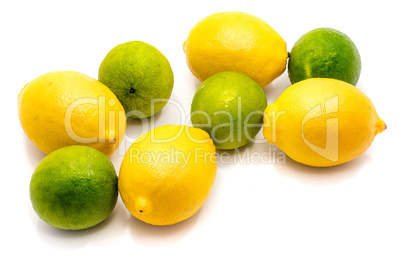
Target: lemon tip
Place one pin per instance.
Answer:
(381, 126)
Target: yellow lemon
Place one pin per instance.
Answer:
(167, 174)
(238, 42)
(322, 122)
(65, 108)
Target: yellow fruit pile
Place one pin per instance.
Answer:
(168, 172)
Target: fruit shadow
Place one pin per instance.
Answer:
(196, 83)
(275, 88)
(322, 176)
(33, 154)
(227, 158)
(256, 152)
(104, 233)
(147, 234)
(136, 127)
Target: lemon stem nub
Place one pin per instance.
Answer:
(142, 205)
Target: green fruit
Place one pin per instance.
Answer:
(74, 188)
(229, 106)
(140, 76)
(324, 53)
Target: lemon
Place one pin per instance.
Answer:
(324, 53)
(322, 122)
(167, 174)
(235, 41)
(65, 108)
(140, 76)
(74, 188)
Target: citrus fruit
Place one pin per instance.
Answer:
(167, 174)
(74, 187)
(65, 108)
(235, 41)
(324, 53)
(322, 122)
(140, 76)
(230, 107)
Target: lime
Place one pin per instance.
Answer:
(324, 53)
(229, 106)
(140, 76)
(74, 187)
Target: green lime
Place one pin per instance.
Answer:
(74, 187)
(324, 53)
(140, 76)
(230, 107)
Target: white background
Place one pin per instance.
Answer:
(254, 210)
